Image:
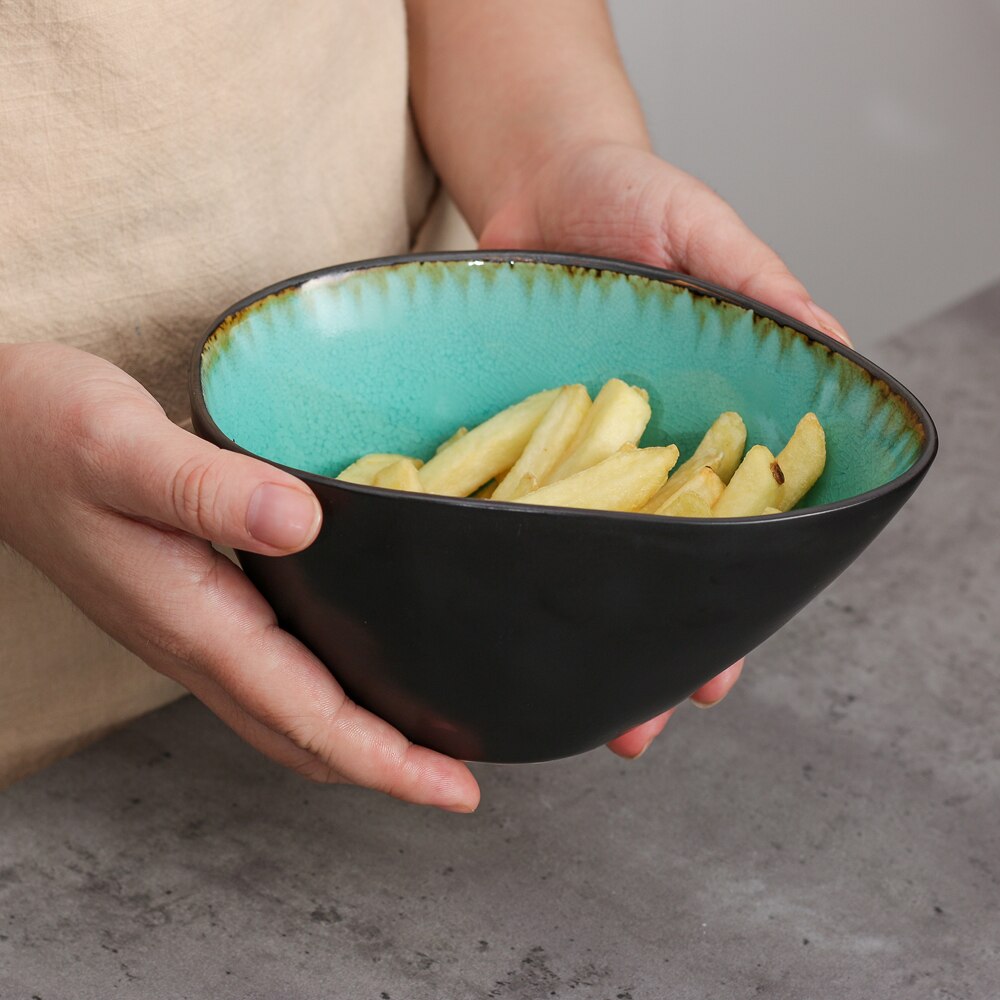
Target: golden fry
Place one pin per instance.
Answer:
(526, 484)
(686, 505)
(617, 417)
(755, 485)
(548, 444)
(486, 492)
(704, 484)
(720, 449)
(364, 470)
(802, 461)
(727, 435)
(557, 448)
(487, 450)
(401, 475)
(623, 481)
(460, 433)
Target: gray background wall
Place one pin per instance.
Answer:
(861, 140)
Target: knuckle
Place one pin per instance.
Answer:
(318, 771)
(91, 427)
(304, 732)
(196, 494)
(314, 734)
(158, 632)
(159, 619)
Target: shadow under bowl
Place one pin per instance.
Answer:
(503, 632)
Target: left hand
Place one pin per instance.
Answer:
(616, 200)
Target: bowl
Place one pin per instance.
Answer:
(505, 632)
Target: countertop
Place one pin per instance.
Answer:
(832, 830)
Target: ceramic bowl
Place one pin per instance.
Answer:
(500, 632)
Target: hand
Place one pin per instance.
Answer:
(616, 200)
(118, 506)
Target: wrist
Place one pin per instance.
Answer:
(500, 90)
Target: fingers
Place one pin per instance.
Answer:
(619, 201)
(279, 748)
(707, 239)
(778, 288)
(635, 742)
(719, 686)
(155, 471)
(315, 767)
(829, 324)
(217, 635)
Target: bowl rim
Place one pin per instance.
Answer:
(202, 416)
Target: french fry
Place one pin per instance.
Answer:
(802, 461)
(364, 470)
(680, 479)
(486, 492)
(721, 450)
(617, 417)
(704, 484)
(549, 442)
(526, 484)
(686, 505)
(487, 450)
(557, 448)
(727, 435)
(755, 485)
(624, 481)
(460, 433)
(401, 475)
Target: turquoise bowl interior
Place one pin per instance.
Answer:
(394, 357)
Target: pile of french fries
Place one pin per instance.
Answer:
(559, 448)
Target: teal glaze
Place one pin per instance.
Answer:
(396, 358)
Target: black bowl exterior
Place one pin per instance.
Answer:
(522, 634)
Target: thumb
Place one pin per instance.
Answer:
(166, 474)
(719, 247)
(776, 286)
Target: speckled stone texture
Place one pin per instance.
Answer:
(831, 831)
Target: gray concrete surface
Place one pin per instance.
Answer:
(831, 831)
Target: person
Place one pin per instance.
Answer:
(158, 163)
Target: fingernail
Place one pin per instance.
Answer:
(459, 807)
(282, 517)
(828, 324)
(704, 704)
(723, 681)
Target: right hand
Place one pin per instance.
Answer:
(118, 506)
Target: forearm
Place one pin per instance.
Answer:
(497, 88)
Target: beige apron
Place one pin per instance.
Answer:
(158, 162)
